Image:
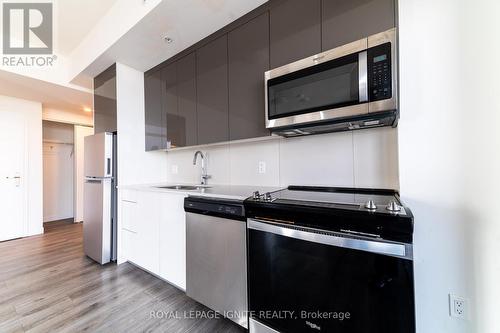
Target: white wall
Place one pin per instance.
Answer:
(57, 132)
(135, 166)
(32, 112)
(449, 147)
(80, 133)
(61, 116)
(367, 158)
(58, 170)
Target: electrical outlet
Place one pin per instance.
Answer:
(262, 167)
(458, 307)
(175, 169)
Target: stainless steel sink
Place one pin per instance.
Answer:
(184, 187)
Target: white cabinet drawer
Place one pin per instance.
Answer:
(128, 245)
(147, 225)
(129, 215)
(128, 195)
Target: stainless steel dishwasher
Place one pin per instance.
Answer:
(216, 267)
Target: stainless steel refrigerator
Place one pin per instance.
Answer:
(99, 193)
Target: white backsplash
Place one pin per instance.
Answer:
(366, 158)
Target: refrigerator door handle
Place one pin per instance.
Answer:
(97, 179)
(108, 166)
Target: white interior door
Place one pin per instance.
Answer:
(57, 181)
(12, 181)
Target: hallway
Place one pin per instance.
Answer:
(47, 284)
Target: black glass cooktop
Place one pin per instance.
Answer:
(334, 197)
(374, 211)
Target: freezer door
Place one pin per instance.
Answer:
(97, 240)
(98, 160)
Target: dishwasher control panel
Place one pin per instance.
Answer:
(231, 209)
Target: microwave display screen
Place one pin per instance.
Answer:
(324, 86)
(380, 58)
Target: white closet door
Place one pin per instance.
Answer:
(57, 181)
(12, 180)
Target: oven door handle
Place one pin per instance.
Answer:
(338, 239)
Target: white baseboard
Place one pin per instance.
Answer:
(56, 218)
(34, 233)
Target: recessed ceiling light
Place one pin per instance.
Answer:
(87, 109)
(168, 40)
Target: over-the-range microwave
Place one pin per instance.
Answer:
(350, 87)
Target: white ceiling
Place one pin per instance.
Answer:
(74, 20)
(142, 47)
(186, 22)
(51, 95)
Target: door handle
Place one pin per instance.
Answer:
(17, 179)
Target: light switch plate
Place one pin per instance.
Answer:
(262, 167)
(175, 169)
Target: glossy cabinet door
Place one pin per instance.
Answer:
(155, 126)
(105, 101)
(186, 100)
(295, 30)
(212, 91)
(248, 51)
(169, 103)
(345, 21)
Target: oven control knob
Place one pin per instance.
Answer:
(268, 197)
(393, 206)
(370, 205)
(256, 195)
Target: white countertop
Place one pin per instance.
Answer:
(234, 192)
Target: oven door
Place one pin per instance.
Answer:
(301, 280)
(332, 84)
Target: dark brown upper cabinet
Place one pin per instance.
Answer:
(248, 50)
(186, 102)
(212, 91)
(156, 128)
(170, 106)
(345, 21)
(105, 101)
(295, 30)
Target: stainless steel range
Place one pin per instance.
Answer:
(330, 260)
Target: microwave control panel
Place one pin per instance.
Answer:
(380, 72)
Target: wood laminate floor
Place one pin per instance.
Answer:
(47, 284)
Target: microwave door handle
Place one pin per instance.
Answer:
(363, 76)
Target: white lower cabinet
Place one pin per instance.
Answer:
(153, 233)
(147, 245)
(173, 240)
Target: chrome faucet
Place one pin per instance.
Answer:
(204, 175)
